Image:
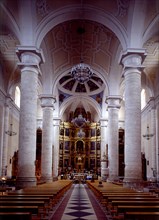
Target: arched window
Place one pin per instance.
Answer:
(17, 96)
(143, 98)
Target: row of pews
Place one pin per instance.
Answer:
(125, 203)
(32, 203)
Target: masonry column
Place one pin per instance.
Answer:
(104, 156)
(56, 148)
(5, 139)
(113, 136)
(47, 103)
(30, 59)
(153, 140)
(132, 73)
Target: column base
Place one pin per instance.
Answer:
(152, 179)
(47, 179)
(113, 179)
(136, 184)
(55, 178)
(104, 174)
(23, 182)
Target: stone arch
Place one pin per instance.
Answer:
(107, 20)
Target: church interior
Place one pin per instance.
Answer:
(79, 104)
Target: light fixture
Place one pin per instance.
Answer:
(10, 132)
(148, 135)
(81, 72)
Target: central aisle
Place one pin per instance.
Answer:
(79, 203)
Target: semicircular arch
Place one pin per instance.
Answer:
(69, 101)
(106, 19)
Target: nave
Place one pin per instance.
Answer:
(79, 203)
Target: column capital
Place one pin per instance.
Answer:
(56, 122)
(132, 57)
(47, 100)
(113, 101)
(30, 57)
(103, 122)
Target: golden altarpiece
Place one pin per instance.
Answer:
(77, 153)
(79, 144)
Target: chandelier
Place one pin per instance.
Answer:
(10, 132)
(148, 135)
(81, 72)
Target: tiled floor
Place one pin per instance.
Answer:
(79, 203)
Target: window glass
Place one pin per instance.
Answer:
(17, 96)
(143, 98)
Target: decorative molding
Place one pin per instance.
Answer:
(47, 100)
(113, 101)
(42, 7)
(140, 52)
(7, 46)
(122, 8)
(30, 50)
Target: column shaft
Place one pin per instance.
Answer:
(27, 131)
(104, 165)
(132, 61)
(153, 142)
(56, 148)
(5, 141)
(103, 137)
(47, 102)
(47, 132)
(133, 168)
(113, 137)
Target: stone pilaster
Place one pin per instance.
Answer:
(30, 59)
(104, 165)
(56, 148)
(113, 136)
(132, 73)
(153, 140)
(47, 103)
(157, 141)
(5, 140)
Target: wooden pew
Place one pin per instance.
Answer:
(32, 209)
(112, 206)
(133, 203)
(128, 195)
(104, 198)
(44, 209)
(134, 208)
(25, 195)
(136, 198)
(15, 215)
(141, 215)
(23, 198)
(23, 203)
(51, 192)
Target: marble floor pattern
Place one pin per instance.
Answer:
(79, 203)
